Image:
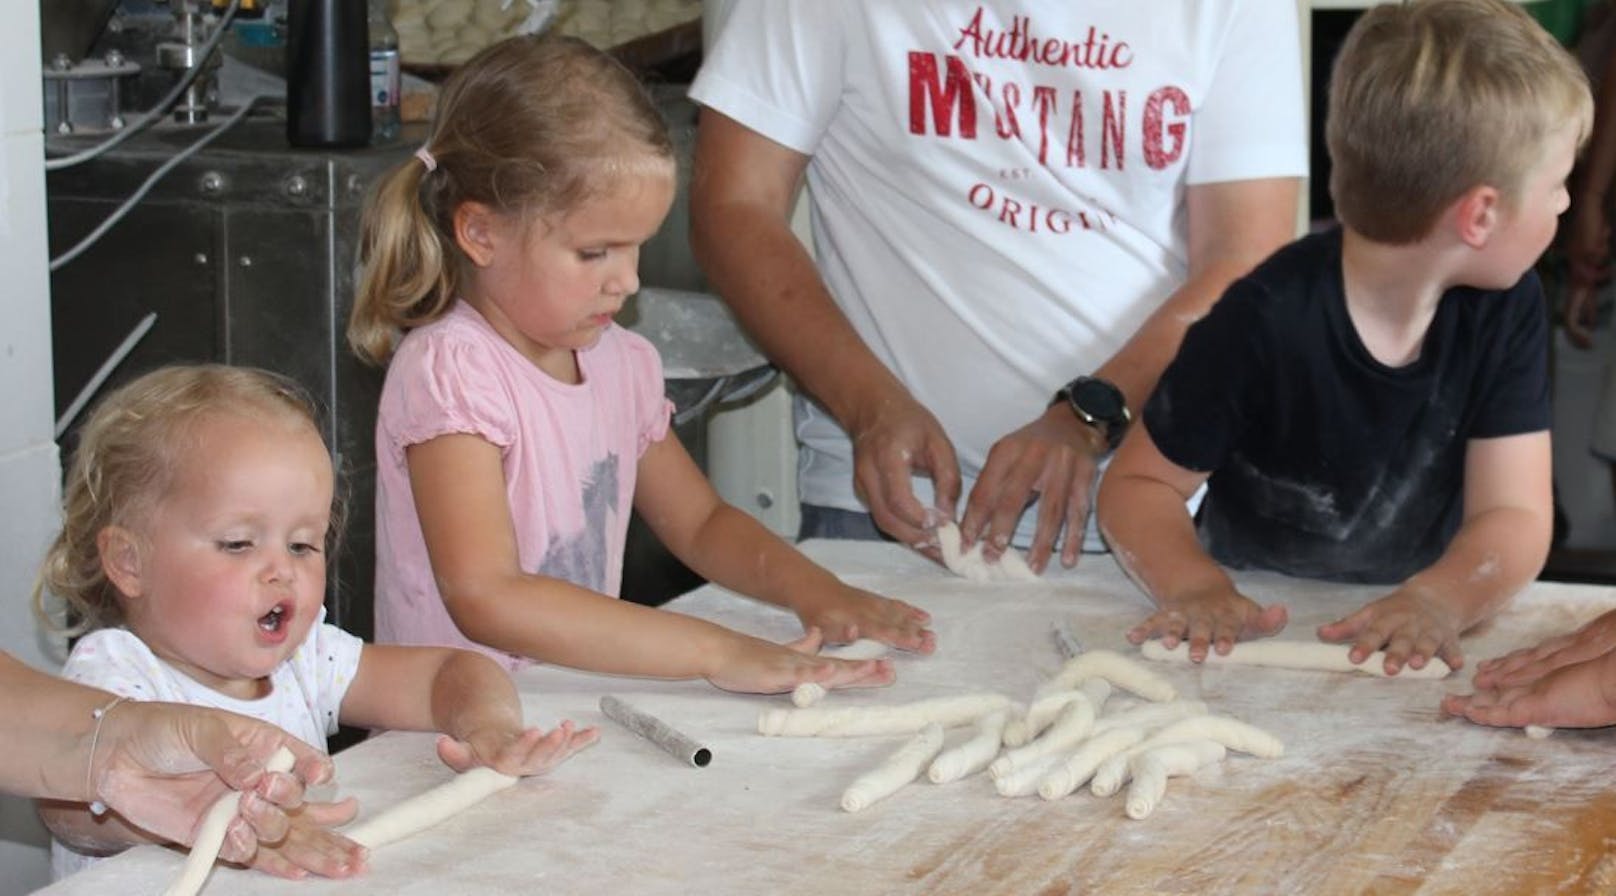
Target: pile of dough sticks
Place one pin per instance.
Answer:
(1070, 734)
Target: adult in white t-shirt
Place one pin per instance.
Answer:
(1004, 196)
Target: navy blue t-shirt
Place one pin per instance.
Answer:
(1324, 462)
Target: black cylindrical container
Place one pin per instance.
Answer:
(327, 73)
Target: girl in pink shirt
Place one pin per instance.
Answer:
(518, 425)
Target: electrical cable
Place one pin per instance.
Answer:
(156, 112)
(122, 210)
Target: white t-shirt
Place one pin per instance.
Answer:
(305, 694)
(998, 188)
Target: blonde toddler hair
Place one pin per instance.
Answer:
(530, 126)
(129, 452)
(1431, 98)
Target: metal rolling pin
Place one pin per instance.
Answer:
(656, 731)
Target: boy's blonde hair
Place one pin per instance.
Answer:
(530, 126)
(129, 453)
(1431, 98)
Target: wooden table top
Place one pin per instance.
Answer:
(1377, 792)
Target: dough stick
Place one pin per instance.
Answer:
(1150, 716)
(867, 721)
(1072, 773)
(1073, 725)
(1152, 768)
(1012, 567)
(899, 769)
(210, 837)
(1046, 708)
(1231, 733)
(1121, 671)
(1307, 655)
(973, 755)
(656, 731)
(426, 809)
(1538, 732)
(1023, 781)
(810, 692)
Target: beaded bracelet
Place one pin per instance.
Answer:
(99, 714)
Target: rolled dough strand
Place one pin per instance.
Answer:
(899, 769)
(1233, 734)
(1305, 655)
(1120, 670)
(1073, 725)
(1538, 732)
(867, 721)
(1076, 769)
(1024, 782)
(426, 809)
(1012, 567)
(810, 692)
(1150, 716)
(1043, 710)
(1152, 768)
(973, 755)
(210, 836)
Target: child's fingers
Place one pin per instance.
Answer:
(326, 853)
(327, 815)
(271, 862)
(809, 643)
(859, 674)
(258, 819)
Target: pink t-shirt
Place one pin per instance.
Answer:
(569, 453)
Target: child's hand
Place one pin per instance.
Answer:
(1214, 617)
(1579, 695)
(752, 665)
(1525, 666)
(311, 845)
(848, 614)
(1410, 624)
(518, 753)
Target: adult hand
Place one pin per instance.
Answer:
(1410, 624)
(1525, 666)
(1581, 313)
(894, 437)
(162, 765)
(1579, 695)
(1212, 618)
(1587, 243)
(1052, 459)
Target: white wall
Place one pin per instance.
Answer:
(29, 469)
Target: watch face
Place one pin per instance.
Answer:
(1099, 399)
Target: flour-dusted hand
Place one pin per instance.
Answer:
(1525, 666)
(844, 614)
(1052, 460)
(518, 753)
(894, 437)
(1411, 625)
(1581, 694)
(752, 665)
(1211, 618)
(311, 846)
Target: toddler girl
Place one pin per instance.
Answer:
(518, 423)
(193, 551)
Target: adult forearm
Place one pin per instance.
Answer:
(1493, 556)
(767, 278)
(47, 737)
(1598, 170)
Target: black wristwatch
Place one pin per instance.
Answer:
(1100, 404)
